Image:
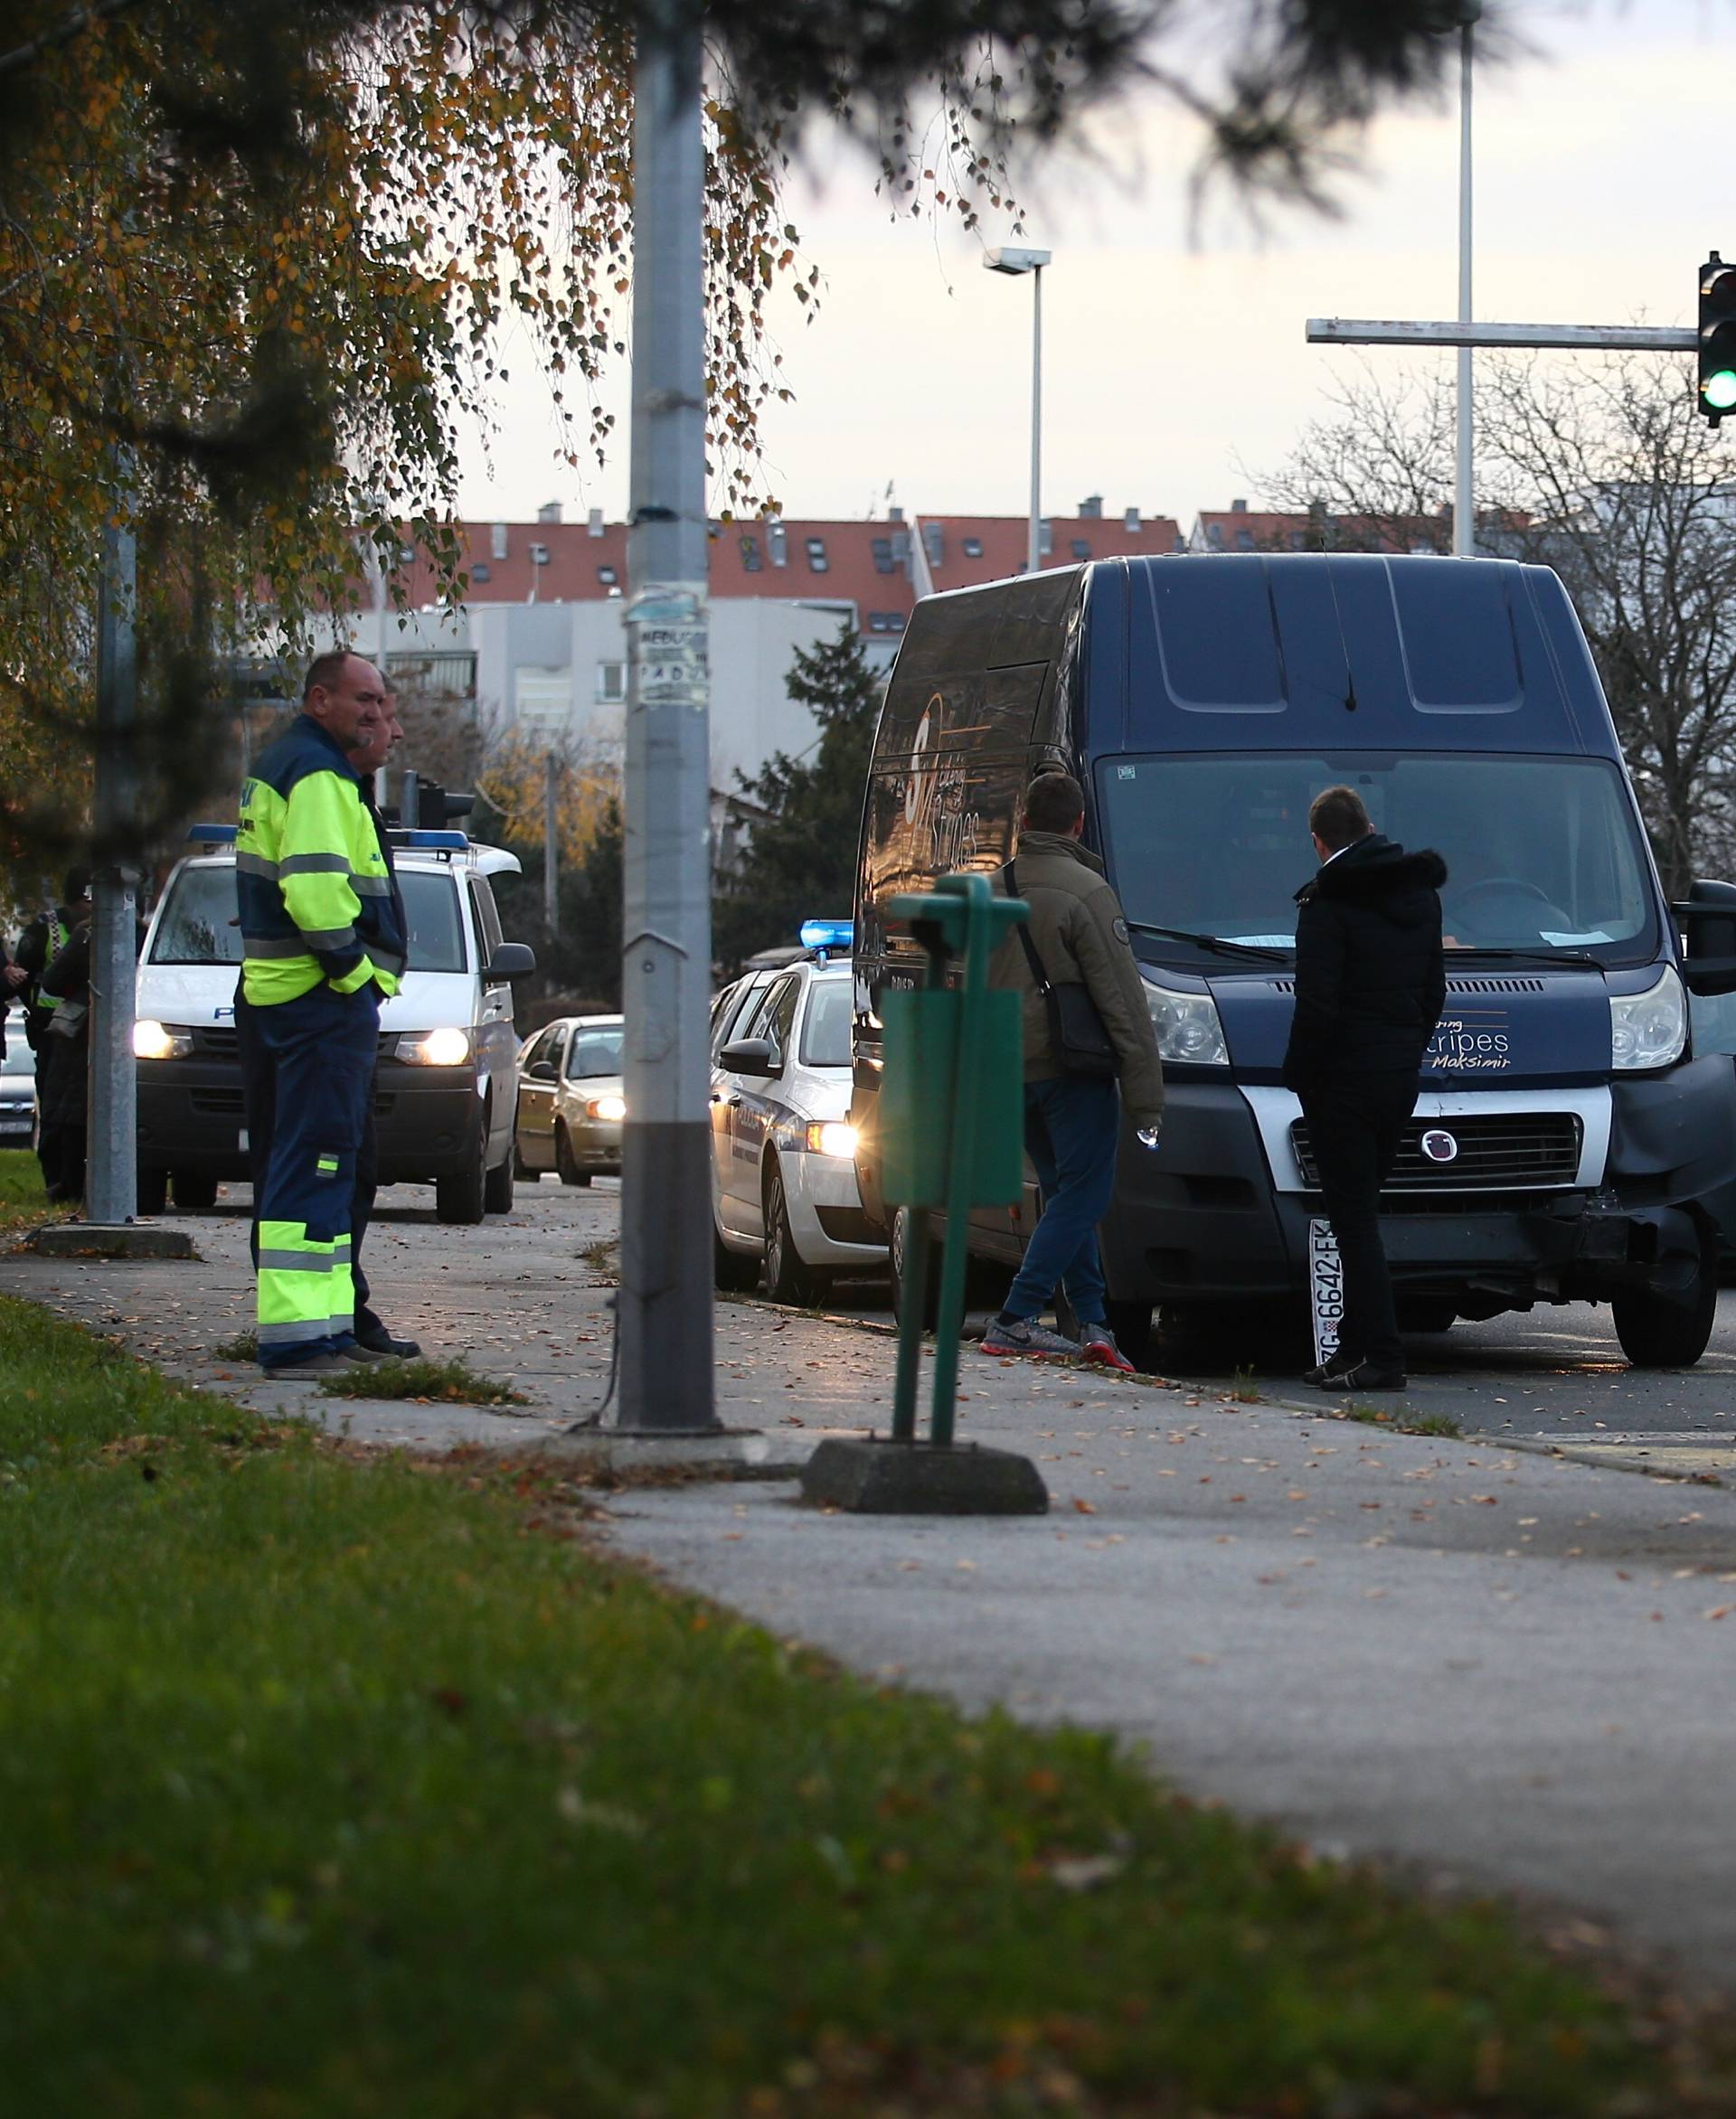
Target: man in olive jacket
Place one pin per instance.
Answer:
(1370, 983)
(1072, 1122)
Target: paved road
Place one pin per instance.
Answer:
(1511, 1667)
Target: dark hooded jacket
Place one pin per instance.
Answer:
(1369, 978)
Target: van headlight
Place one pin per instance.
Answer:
(1649, 1029)
(435, 1048)
(1189, 1033)
(160, 1041)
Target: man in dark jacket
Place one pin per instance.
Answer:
(1072, 1122)
(1370, 984)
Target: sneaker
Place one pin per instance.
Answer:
(314, 1367)
(1097, 1343)
(1028, 1337)
(1352, 1376)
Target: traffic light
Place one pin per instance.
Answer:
(437, 810)
(1717, 338)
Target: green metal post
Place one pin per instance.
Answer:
(909, 1329)
(979, 927)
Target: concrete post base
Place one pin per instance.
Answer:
(109, 1239)
(877, 1477)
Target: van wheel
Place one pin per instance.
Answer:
(497, 1188)
(1658, 1334)
(789, 1277)
(460, 1197)
(898, 1246)
(566, 1165)
(195, 1190)
(153, 1191)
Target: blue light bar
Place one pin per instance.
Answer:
(454, 841)
(211, 835)
(828, 934)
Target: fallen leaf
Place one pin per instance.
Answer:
(1085, 1508)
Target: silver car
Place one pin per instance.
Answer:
(17, 1091)
(570, 1104)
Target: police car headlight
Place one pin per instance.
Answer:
(611, 1110)
(835, 1138)
(1649, 1029)
(1189, 1033)
(160, 1041)
(435, 1048)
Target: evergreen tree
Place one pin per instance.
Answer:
(801, 861)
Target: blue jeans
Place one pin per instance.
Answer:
(1071, 1128)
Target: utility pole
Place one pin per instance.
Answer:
(664, 1315)
(1464, 498)
(550, 844)
(111, 1175)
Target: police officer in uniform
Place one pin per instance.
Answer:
(43, 942)
(323, 943)
(377, 734)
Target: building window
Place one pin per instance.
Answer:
(611, 683)
(750, 554)
(1214, 535)
(934, 541)
(497, 541)
(606, 576)
(778, 540)
(973, 548)
(1244, 541)
(885, 621)
(882, 555)
(1082, 549)
(818, 562)
(480, 572)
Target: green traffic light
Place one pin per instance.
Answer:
(1719, 389)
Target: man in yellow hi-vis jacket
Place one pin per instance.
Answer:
(323, 942)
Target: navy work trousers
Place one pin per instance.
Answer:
(321, 1048)
(1071, 1125)
(259, 1101)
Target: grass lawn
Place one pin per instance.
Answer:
(23, 1204)
(330, 1785)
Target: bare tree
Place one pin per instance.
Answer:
(1600, 470)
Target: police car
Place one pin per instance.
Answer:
(446, 1087)
(784, 1194)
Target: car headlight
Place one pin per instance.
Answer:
(1189, 1033)
(435, 1048)
(160, 1041)
(834, 1138)
(611, 1110)
(1649, 1028)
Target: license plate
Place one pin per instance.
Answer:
(1325, 1289)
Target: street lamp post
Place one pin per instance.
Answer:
(1017, 262)
(1464, 500)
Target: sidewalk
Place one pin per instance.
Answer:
(1515, 1670)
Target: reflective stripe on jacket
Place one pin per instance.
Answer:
(314, 884)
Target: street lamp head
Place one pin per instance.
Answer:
(1016, 261)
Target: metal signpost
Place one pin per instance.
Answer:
(111, 1181)
(666, 1385)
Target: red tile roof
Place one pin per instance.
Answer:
(1004, 541)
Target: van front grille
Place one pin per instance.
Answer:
(1495, 1150)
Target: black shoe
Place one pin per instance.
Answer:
(375, 1339)
(1317, 1376)
(1349, 1376)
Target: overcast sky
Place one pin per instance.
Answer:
(1604, 173)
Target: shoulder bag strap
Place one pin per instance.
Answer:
(1024, 932)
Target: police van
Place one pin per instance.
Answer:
(445, 1091)
(1575, 1140)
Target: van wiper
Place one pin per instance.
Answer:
(1528, 956)
(1215, 943)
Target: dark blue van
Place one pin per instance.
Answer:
(1576, 1135)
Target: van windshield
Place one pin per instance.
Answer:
(200, 924)
(1544, 855)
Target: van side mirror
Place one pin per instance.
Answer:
(1708, 923)
(749, 1055)
(511, 960)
